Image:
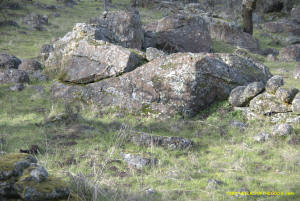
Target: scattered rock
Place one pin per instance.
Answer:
(153, 53)
(22, 178)
(296, 104)
(17, 87)
(238, 124)
(290, 53)
(261, 137)
(123, 28)
(30, 65)
(36, 21)
(286, 95)
(137, 161)
(242, 95)
(13, 76)
(274, 83)
(213, 183)
(268, 104)
(8, 61)
(144, 139)
(282, 130)
(296, 73)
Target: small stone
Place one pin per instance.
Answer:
(286, 95)
(237, 124)
(138, 161)
(213, 183)
(261, 137)
(282, 130)
(39, 173)
(17, 87)
(274, 83)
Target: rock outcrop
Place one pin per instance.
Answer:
(181, 83)
(23, 179)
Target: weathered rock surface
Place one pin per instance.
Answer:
(181, 83)
(179, 33)
(81, 58)
(153, 53)
(290, 53)
(8, 61)
(23, 179)
(274, 83)
(123, 28)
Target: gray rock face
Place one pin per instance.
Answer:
(38, 173)
(290, 53)
(181, 83)
(296, 104)
(123, 28)
(282, 130)
(242, 95)
(137, 161)
(296, 73)
(81, 59)
(153, 53)
(261, 137)
(13, 76)
(8, 61)
(286, 95)
(30, 65)
(180, 33)
(144, 139)
(274, 83)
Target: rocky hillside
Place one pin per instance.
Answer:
(152, 100)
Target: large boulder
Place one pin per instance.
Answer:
(274, 83)
(221, 30)
(8, 61)
(81, 58)
(290, 53)
(286, 95)
(181, 83)
(123, 28)
(179, 33)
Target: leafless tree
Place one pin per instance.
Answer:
(248, 6)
